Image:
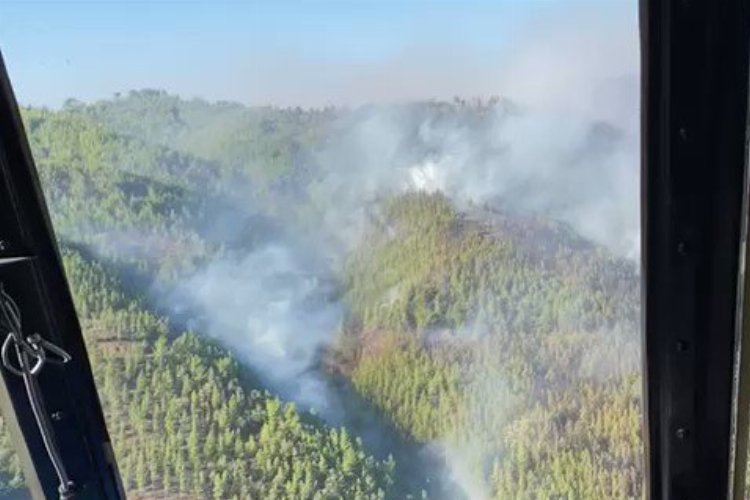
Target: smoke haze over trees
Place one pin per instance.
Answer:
(410, 275)
(375, 291)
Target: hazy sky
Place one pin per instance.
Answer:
(289, 53)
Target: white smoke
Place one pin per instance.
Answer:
(568, 148)
(464, 465)
(273, 313)
(557, 164)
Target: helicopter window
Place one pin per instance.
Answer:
(353, 250)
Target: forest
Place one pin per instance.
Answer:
(335, 303)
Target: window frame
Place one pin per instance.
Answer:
(693, 176)
(32, 273)
(694, 217)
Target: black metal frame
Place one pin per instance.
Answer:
(31, 271)
(694, 96)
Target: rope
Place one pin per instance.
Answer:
(32, 353)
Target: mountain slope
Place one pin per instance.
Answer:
(500, 341)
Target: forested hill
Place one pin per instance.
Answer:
(185, 418)
(496, 339)
(265, 143)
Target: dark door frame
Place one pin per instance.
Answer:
(32, 274)
(694, 126)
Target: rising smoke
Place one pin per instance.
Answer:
(272, 313)
(565, 145)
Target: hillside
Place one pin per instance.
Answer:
(356, 263)
(472, 338)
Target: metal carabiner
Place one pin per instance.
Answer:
(37, 347)
(38, 354)
(44, 346)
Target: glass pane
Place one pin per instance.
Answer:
(349, 249)
(12, 483)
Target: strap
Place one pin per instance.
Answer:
(31, 354)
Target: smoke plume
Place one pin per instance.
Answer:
(562, 142)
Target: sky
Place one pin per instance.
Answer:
(309, 53)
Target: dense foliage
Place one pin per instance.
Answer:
(467, 338)
(182, 421)
(505, 343)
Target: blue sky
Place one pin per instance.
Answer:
(282, 52)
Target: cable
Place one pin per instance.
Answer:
(37, 348)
